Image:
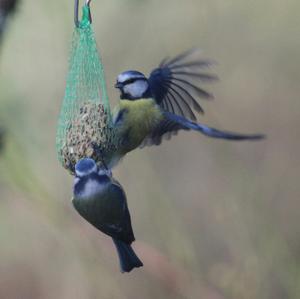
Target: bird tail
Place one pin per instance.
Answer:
(210, 132)
(128, 258)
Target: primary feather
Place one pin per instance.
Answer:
(175, 84)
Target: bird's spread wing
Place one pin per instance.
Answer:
(172, 123)
(175, 84)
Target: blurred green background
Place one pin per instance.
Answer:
(213, 219)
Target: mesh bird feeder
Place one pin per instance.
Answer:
(85, 116)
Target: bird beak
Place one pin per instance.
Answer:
(118, 85)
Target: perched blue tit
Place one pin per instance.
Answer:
(101, 200)
(157, 107)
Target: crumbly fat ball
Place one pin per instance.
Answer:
(89, 135)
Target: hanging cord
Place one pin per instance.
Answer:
(76, 20)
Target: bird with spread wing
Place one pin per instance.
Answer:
(157, 107)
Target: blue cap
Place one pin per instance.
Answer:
(85, 167)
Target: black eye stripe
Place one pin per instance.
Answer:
(132, 80)
(129, 81)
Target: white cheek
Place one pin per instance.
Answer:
(137, 89)
(93, 188)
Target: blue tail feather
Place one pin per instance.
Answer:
(128, 258)
(210, 132)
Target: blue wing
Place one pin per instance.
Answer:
(175, 84)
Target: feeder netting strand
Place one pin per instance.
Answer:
(85, 111)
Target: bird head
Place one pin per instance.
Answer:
(85, 167)
(133, 85)
(89, 179)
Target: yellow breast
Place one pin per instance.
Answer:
(140, 118)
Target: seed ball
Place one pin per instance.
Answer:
(89, 128)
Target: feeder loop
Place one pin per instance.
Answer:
(76, 10)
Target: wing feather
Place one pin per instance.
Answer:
(184, 103)
(179, 108)
(174, 84)
(193, 101)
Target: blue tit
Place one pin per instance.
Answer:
(159, 106)
(101, 200)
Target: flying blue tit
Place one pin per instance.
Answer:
(159, 106)
(101, 200)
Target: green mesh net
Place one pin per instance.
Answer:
(84, 127)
